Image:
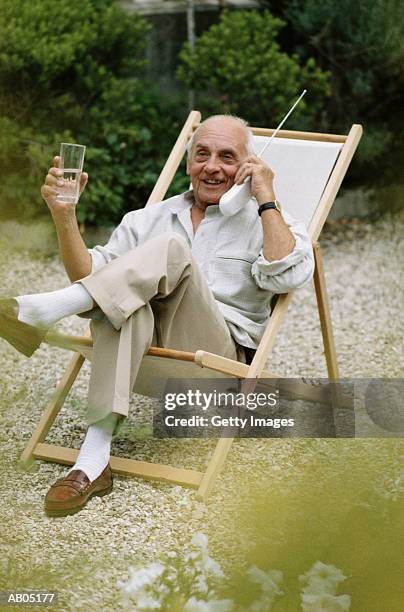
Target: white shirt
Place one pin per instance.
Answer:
(228, 250)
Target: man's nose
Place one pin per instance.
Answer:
(212, 164)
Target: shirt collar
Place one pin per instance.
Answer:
(185, 201)
(180, 202)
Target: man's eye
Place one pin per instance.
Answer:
(201, 155)
(228, 156)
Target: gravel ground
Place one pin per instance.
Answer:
(84, 556)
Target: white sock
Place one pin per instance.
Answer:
(45, 309)
(96, 449)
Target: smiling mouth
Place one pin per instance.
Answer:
(212, 182)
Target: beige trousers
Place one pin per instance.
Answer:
(154, 294)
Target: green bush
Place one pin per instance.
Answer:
(73, 72)
(239, 64)
(361, 44)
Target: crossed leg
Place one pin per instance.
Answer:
(154, 293)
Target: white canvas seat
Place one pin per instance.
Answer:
(309, 168)
(295, 159)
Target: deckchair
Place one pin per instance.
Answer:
(309, 169)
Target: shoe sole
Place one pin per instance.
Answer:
(70, 511)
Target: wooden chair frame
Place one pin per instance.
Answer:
(204, 481)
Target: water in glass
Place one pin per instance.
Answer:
(71, 189)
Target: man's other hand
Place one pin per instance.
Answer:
(53, 182)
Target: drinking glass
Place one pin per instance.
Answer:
(71, 162)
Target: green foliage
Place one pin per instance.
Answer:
(361, 44)
(239, 63)
(73, 72)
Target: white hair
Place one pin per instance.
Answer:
(242, 122)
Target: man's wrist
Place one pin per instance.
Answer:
(266, 196)
(269, 206)
(63, 216)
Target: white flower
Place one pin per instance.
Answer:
(201, 560)
(210, 566)
(214, 605)
(325, 603)
(322, 578)
(268, 581)
(146, 602)
(200, 584)
(325, 571)
(190, 556)
(319, 593)
(150, 586)
(200, 540)
(141, 578)
(140, 581)
(270, 586)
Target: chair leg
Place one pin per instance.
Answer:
(223, 446)
(52, 410)
(339, 416)
(324, 314)
(215, 465)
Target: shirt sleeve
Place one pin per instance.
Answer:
(122, 239)
(291, 272)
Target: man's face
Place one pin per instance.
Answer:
(218, 150)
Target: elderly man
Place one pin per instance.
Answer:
(177, 274)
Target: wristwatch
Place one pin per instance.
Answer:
(275, 205)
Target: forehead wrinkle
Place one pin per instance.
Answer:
(217, 130)
(224, 149)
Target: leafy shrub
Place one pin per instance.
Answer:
(240, 64)
(360, 43)
(73, 72)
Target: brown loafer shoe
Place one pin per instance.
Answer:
(70, 494)
(25, 338)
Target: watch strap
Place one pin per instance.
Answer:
(269, 206)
